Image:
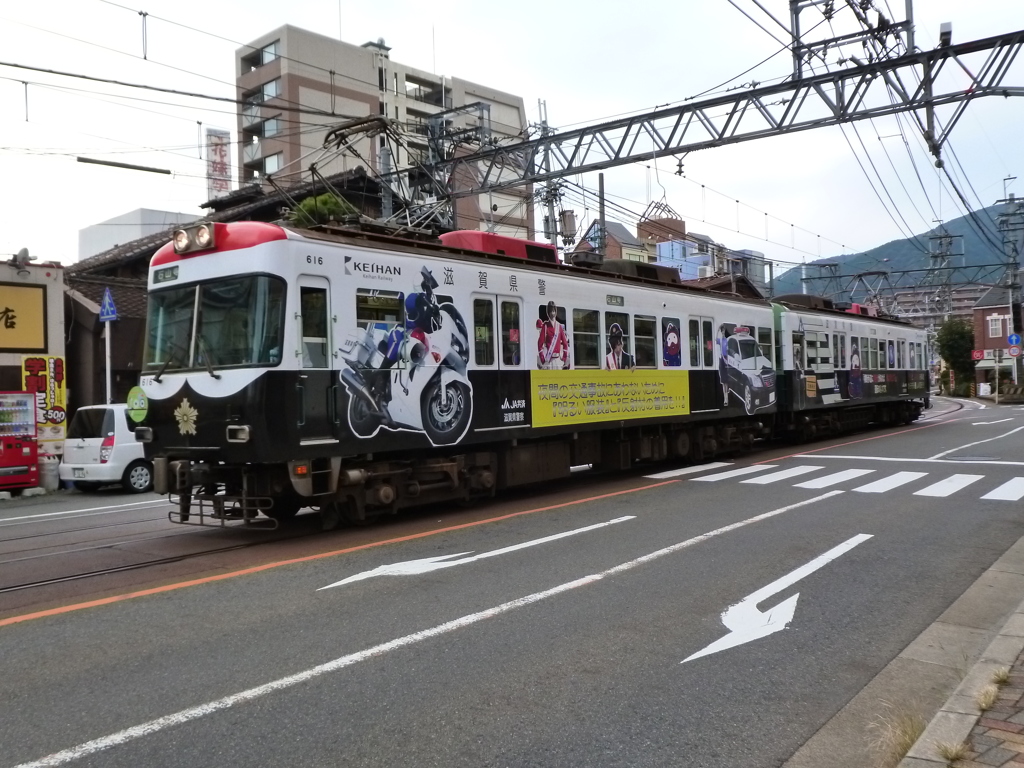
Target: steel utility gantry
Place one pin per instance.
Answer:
(860, 92)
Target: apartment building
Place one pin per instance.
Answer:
(296, 85)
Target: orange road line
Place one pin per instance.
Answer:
(307, 558)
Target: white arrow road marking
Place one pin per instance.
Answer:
(236, 699)
(979, 423)
(428, 564)
(746, 623)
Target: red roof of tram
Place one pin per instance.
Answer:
(228, 237)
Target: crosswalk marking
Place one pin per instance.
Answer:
(1011, 490)
(835, 478)
(688, 470)
(733, 473)
(784, 474)
(949, 485)
(890, 482)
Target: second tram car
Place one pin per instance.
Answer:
(287, 368)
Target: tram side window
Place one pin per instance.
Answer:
(313, 307)
(671, 349)
(874, 354)
(510, 333)
(616, 328)
(811, 349)
(374, 307)
(764, 341)
(841, 344)
(483, 332)
(552, 338)
(695, 344)
(798, 351)
(646, 357)
(709, 343)
(824, 350)
(586, 335)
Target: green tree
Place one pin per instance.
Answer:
(321, 209)
(954, 341)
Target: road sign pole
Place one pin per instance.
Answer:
(999, 365)
(107, 334)
(108, 313)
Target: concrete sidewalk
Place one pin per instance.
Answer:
(994, 737)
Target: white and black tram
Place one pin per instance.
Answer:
(361, 373)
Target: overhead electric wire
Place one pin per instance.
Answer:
(880, 200)
(136, 56)
(176, 92)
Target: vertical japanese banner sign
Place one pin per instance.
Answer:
(44, 375)
(218, 163)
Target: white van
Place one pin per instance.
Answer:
(101, 449)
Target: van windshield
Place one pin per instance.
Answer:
(236, 321)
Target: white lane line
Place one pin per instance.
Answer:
(732, 473)
(902, 460)
(90, 510)
(979, 423)
(949, 486)
(784, 474)
(978, 442)
(194, 713)
(1011, 490)
(835, 479)
(428, 564)
(890, 482)
(688, 470)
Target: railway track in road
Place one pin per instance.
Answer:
(32, 546)
(20, 556)
(133, 566)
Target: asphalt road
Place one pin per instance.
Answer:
(569, 635)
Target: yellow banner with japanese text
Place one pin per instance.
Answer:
(583, 396)
(44, 375)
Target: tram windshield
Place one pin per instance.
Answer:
(237, 321)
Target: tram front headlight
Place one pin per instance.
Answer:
(204, 236)
(181, 241)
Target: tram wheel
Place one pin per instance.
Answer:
(284, 508)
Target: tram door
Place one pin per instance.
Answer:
(708, 385)
(498, 356)
(314, 392)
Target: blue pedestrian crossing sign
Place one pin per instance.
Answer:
(108, 311)
(1013, 339)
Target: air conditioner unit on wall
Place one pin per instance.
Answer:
(705, 271)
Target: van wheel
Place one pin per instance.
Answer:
(138, 478)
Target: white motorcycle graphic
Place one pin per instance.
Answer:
(422, 386)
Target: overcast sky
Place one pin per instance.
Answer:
(588, 63)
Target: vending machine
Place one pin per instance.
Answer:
(19, 466)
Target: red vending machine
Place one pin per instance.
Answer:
(19, 466)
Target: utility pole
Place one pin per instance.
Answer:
(550, 186)
(1011, 223)
(602, 238)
